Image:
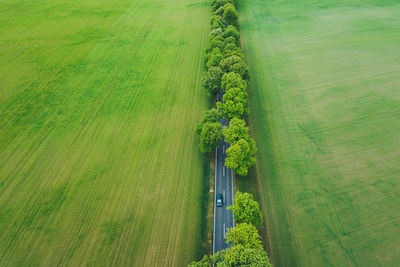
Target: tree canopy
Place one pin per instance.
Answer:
(246, 210)
(216, 22)
(232, 80)
(215, 4)
(212, 80)
(213, 42)
(235, 64)
(231, 31)
(226, 63)
(236, 130)
(229, 48)
(234, 103)
(241, 256)
(230, 15)
(244, 234)
(240, 156)
(214, 58)
(210, 136)
(211, 115)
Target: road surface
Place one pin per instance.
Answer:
(223, 218)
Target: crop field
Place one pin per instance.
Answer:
(325, 110)
(99, 163)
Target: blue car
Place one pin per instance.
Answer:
(220, 200)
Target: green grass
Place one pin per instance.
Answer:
(325, 110)
(99, 163)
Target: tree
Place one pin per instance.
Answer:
(231, 31)
(214, 58)
(232, 109)
(232, 80)
(211, 115)
(216, 22)
(244, 234)
(216, 32)
(210, 136)
(234, 103)
(235, 64)
(231, 49)
(230, 15)
(226, 63)
(246, 210)
(213, 42)
(229, 40)
(241, 69)
(204, 262)
(236, 130)
(219, 11)
(218, 3)
(212, 80)
(239, 255)
(240, 156)
(228, 53)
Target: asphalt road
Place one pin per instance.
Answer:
(223, 218)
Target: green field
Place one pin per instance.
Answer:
(99, 163)
(325, 111)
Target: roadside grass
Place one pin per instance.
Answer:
(99, 163)
(325, 111)
(208, 224)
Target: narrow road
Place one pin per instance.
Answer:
(223, 218)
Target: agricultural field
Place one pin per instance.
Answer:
(99, 162)
(325, 111)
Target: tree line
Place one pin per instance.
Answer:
(246, 245)
(226, 73)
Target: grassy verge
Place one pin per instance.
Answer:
(208, 208)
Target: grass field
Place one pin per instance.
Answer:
(325, 110)
(99, 163)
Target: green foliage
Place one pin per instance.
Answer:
(211, 115)
(235, 64)
(241, 256)
(204, 262)
(232, 80)
(231, 49)
(229, 40)
(227, 63)
(244, 234)
(241, 69)
(214, 58)
(212, 80)
(246, 210)
(234, 103)
(214, 40)
(229, 53)
(219, 11)
(215, 4)
(236, 130)
(216, 32)
(231, 31)
(216, 22)
(210, 135)
(240, 156)
(230, 15)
